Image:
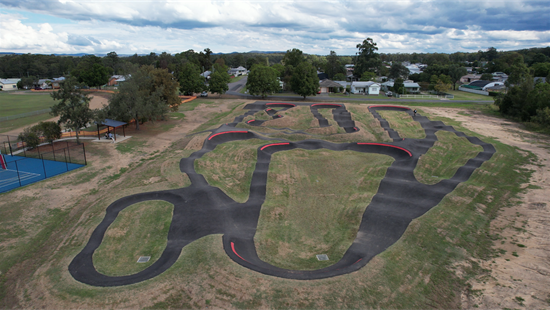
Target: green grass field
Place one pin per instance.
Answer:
(306, 213)
(442, 161)
(404, 124)
(145, 221)
(462, 95)
(231, 173)
(15, 104)
(43, 226)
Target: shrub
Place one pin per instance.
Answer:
(30, 137)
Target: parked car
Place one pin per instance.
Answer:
(204, 94)
(389, 94)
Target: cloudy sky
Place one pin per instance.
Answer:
(314, 26)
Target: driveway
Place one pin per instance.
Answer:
(237, 86)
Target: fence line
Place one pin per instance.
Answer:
(474, 91)
(427, 96)
(38, 112)
(25, 169)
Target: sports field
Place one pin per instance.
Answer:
(194, 184)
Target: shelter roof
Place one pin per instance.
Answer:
(112, 123)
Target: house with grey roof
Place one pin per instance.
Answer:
(237, 71)
(410, 87)
(328, 86)
(8, 84)
(115, 80)
(367, 88)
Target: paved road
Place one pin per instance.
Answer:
(234, 89)
(236, 86)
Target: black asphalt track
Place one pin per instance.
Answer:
(201, 209)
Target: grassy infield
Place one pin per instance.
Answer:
(13, 104)
(418, 271)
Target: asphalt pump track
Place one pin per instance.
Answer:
(201, 209)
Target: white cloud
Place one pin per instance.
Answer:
(243, 25)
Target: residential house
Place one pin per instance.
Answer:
(413, 68)
(367, 88)
(8, 84)
(237, 71)
(499, 76)
(115, 80)
(468, 78)
(328, 86)
(410, 87)
(206, 75)
(56, 83)
(349, 70)
(43, 83)
(539, 80)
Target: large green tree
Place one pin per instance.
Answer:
(73, 108)
(398, 86)
(305, 81)
(333, 65)
(293, 57)
(95, 76)
(456, 72)
(519, 73)
(368, 76)
(262, 80)
(397, 70)
(138, 99)
(219, 80)
(367, 59)
(191, 80)
(164, 81)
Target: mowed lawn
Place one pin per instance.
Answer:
(13, 104)
(462, 95)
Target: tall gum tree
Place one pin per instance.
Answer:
(262, 80)
(305, 81)
(73, 108)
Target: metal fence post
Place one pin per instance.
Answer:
(66, 164)
(18, 177)
(44, 167)
(84, 150)
(9, 144)
(69, 151)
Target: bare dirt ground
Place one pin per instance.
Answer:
(520, 277)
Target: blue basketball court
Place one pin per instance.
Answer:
(23, 171)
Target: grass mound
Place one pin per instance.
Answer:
(230, 166)
(314, 203)
(139, 230)
(442, 161)
(404, 124)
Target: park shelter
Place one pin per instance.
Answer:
(110, 123)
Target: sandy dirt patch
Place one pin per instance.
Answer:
(520, 277)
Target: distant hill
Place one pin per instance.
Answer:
(128, 55)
